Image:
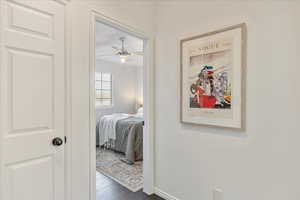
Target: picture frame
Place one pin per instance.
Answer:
(212, 78)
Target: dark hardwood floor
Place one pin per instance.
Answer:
(107, 189)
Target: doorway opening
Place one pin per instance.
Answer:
(118, 108)
(121, 106)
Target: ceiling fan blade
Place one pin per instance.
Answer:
(137, 53)
(116, 48)
(106, 55)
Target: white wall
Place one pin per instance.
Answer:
(136, 14)
(140, 91)
(261, 163)
(125, 88)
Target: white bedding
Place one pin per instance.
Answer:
(107, 127)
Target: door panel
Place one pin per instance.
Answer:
(19, 15)
(31, 89)
(22, 179)
(33, 101)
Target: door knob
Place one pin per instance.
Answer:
(57, 141)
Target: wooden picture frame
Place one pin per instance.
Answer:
(212, 78)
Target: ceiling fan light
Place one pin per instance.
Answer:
(123, 60)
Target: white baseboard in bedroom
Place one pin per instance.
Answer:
(164, 195)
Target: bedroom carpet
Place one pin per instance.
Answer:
(107, 189)
(130, 176)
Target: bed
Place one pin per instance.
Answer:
(122, 133)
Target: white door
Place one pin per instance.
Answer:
(32, 99)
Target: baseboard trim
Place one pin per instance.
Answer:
(164, 194)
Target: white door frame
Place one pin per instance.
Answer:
(148, 98)
(1, 88)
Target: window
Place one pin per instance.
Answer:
(103, 85)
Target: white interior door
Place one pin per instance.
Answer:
(32, 99)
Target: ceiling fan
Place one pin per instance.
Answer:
(123, 53)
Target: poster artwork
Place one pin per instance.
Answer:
(210, 75)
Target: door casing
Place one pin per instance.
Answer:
(148, 96)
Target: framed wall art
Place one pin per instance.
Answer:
(212, 83)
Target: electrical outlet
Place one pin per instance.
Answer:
(217, 194)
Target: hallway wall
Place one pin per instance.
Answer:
(261, 163)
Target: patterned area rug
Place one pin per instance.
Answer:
(109, 164)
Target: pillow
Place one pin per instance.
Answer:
(140, 110)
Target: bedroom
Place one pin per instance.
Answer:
(118, 110)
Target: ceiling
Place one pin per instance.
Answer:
(107, 36)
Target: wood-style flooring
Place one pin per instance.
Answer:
(107, 189)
